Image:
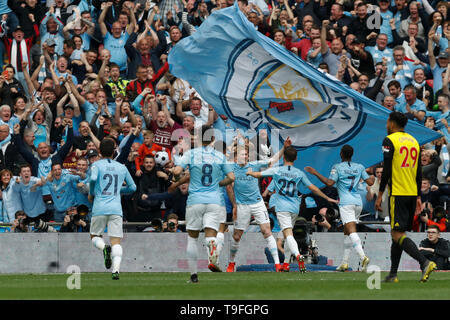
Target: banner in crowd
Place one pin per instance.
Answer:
(257, 84)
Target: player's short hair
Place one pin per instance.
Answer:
(206, 137)
(220, 146)
(107, 147)
(399, 118)
(347, 151)
(290, 154)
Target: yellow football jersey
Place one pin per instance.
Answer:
(404, 151)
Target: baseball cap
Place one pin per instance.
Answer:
(91, 153)
(443, 55)
(69, 106)
(50, 42)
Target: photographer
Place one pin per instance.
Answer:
(18, 223)
(74, 221)
(428, 216)
(324, 217)
(171, 225)
(436, 249)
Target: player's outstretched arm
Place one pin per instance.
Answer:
(279, 154)
(319, 193)
(254, 174)
(228, 180)
(323, 179)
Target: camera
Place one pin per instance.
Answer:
(42, 226)
(319, 217)
(332, 214)
(301, 231)
(171, 225)
(425, 212)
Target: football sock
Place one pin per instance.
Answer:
(287, 253)
(220, 241)
(292, 244)
(233, 249)
(396, 254)
(191, 254)
(356, 242)
(116, 257)
(272, 245)
(347, 249)
(410, 248)
(98, 243)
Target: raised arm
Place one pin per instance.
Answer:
(323, 37)
(26, 75)
(73, 99)
(431, 56)
(101, 18)
(279, 154)
(75, 92)
(132, 23)
(179, 108)
(445, 81)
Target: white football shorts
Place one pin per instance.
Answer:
(350, 213)
(199, 216)
(113, 222)
(286, 219)
(245, 211)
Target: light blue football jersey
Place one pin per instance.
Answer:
(32, 202)
(347, 176)
(246, 188)
(62, 191)
(207, 167)
(107, 177)
(287, 181)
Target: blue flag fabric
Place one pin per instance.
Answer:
(257, 83)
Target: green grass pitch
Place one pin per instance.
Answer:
(225, 286)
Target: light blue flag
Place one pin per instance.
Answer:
(257, 83)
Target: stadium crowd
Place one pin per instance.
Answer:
(75, 72)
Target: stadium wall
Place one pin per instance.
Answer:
(165, 252)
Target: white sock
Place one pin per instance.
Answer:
(293, 247)
(356, 241)
(272, 245)
(347, 249)
(220, 241)
(98, 243)
(116, 257)
(191, 254)
(233, 249)
(287, 253)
